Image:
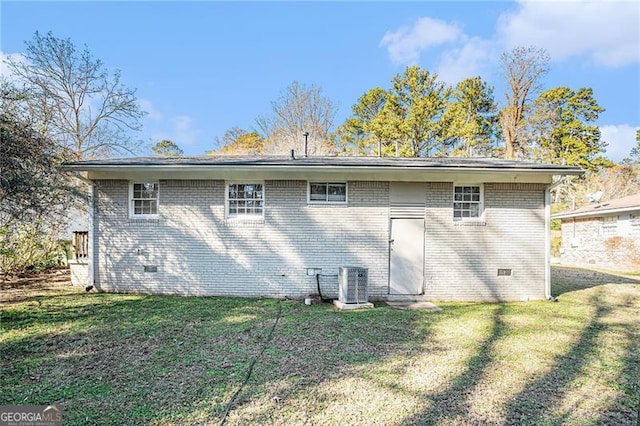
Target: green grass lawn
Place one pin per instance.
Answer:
(130, 359)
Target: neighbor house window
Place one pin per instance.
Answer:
(467, 202)
(635, 224)
(328, 192)
(245, 199)
(609, 226)
(144, 199)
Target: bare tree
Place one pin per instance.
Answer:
(523, 68)
(228, 139)
(74, 100)
(615, 181)
(299, 109)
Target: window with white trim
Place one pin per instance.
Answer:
(327, 192)
(144, 199)
(467, 202)
(635, 224)
(245, 199)
(609, 226)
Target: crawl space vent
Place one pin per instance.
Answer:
(504, 272)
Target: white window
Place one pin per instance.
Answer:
(327, 192)
(245, 199)
(609, 226)
(635, 224)
(144, 199)
(467, 202)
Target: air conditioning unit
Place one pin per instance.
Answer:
(353, 285)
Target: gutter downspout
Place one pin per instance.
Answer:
(547, 235)
(91, 248)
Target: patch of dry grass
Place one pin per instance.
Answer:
(125, 359)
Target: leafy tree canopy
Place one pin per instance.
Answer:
(564, 130)
(422, 116)
(167, 148)
(470, 120)
(634, 154)
(241, 142)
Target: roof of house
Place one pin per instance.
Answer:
(620, 205)
(277, 167)
(346, 161)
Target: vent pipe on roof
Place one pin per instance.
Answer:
(293, 157)
(595, 197)
(306, 135)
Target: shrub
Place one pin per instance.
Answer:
(28, 248)
(556, 243)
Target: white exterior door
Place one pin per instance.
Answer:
(406, 256)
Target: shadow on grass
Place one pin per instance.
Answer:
(135, 358)
(541, 395)
(52, 309)
(627, 404)
(452, 402)
(317, 346)
(177, 360)
(565, 279)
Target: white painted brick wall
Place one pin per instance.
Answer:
(462, 261)
(79, 271)
(198, 251)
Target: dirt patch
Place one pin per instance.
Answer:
(14, 289)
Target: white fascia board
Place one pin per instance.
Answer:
(436, 174)
(596, 213)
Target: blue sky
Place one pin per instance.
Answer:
(201, 68)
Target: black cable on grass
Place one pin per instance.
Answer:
(250, 371)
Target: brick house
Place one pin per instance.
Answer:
(470, 229)
(606, 234)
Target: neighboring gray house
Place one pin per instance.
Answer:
(473, 229)
(605, 233)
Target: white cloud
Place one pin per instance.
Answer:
(183, 131)
(152, 112)
(179, 129)
(469, 60)
(4, 69)
(407, 43)
(620, 138)
(605, 31)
